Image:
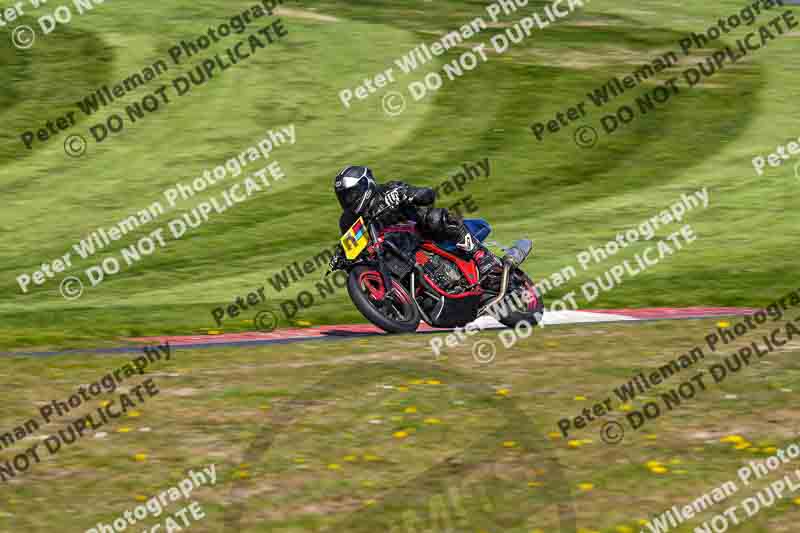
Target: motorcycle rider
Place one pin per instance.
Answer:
(395, 202)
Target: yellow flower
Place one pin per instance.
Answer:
(535, 483)
(402, 388)
(626, 407)
(434, 382)
(104, 403)
(651, 436)
(659, 470)
(503, 392)
(432, 421)
(642, 522)
(771, 449)
(417, 382)
(742, 446)
(242, 474)
(724, 324)
(351, 458)
(796, 501)
(370, 457)
(334, 466)
(509, 444)
(575, 443)
(410, 410)
(124, 430)
(214, 332)
(140, 498)
(400, 434)
(140, 457)
(586, 487)
(554, 435)
(299, 460)
(134, 414)
(580, 398)
(652, 464)
(733, 439)
(623, 529)
(369, 502)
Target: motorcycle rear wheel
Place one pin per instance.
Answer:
(393, 311)
(535, 309)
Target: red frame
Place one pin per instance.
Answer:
(467, 267)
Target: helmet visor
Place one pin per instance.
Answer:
(350, 197)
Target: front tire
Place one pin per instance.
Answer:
(393, 311)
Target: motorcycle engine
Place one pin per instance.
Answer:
(445, 274)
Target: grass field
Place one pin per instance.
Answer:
(564, 197)
(374, 434)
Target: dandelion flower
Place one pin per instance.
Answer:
(432, 421)
(334, 466)
(400, 434)
(509, 444)
(140, 457)
(586, 487)
(410, 410)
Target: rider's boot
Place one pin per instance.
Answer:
(486, 260)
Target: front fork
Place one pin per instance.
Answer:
(386, 276)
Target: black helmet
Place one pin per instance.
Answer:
(354, 188)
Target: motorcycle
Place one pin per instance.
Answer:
(396, 278)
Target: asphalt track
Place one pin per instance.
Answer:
(339, 332)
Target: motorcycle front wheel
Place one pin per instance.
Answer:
(391, 310)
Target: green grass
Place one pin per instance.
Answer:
(565, 198)
(480, 447)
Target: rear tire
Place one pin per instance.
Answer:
(396, 312)
(535, 311)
